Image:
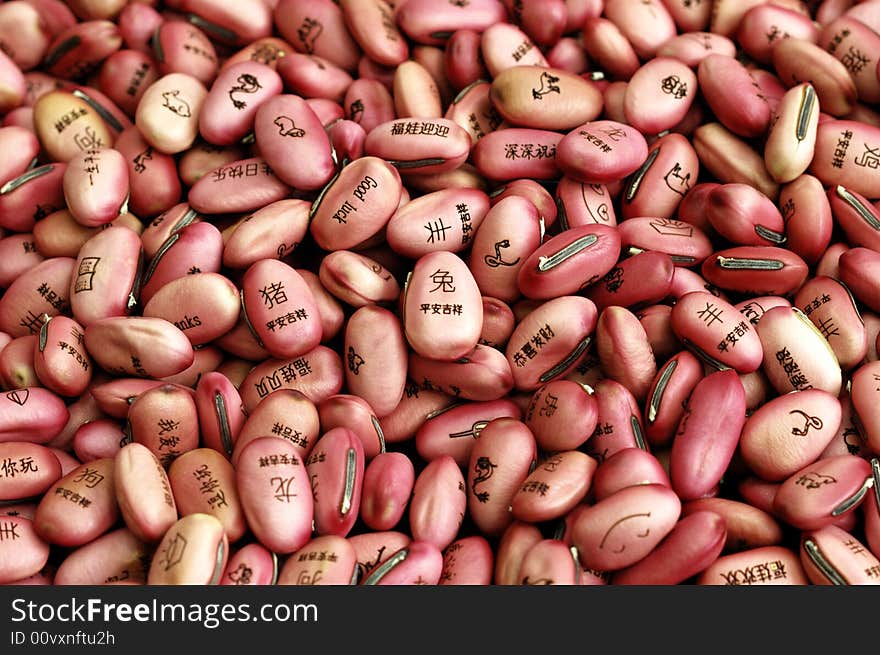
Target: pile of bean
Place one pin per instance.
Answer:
(440, 292)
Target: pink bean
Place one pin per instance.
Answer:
(694, 319)
(271, 231)
(555, 487)
(317, 27)
(820, 493)
(662, 182)
(166, 409)
(24, 556)
(796, 355)
(98, 438)
(464, 208)
(747, 526)
(844, 156)
(253, 564)
(18, 253)
(502, 46)
(387, 488)
(317, 374)
(516, 152)
(614, 533)
(580, 203)
(144, 493)
(689, 548)
(194, 551)
(106, 276)
(730, 159)
(583, 154)
(125, 75)
(34, 469)
(668, 86)
(482, 375)
(404, 420)
(791, 139)
(760, 270)
(368, 103)
(22, 147)
(115, 395)
(419, 146)
(84, 513)
(221, 416)
(438, 503)
(241, 186)
(184, 48)
(652, 270)
(667, 396)
(789, 432)
(63, 367)
(153, 183)
(845, 36)
(31, 195)
(26, 35)
(859, 219)
(832, 556)
(203, 305)
(244, 86)
(544, 98)
(467, 561)
(744, 215)
(196, 247)
(626, 468)
(268, 50)
(114, 557)
(848, 338)
(806, 212)
(338, 566)
(285, 330)
(544, 347)
(607, 45)
(420, 562)
(569, 261)
(510, 232)
(356, 205)
(691, 46)
(122, 343)
(286, 414)
(646, 25)
(457, 331)
(275, 494)
(336, 471)
(549, 562)
(81, 48)
(498, 465)
(453, 431)
(767, 565)
(356, 279)
(311, 76)
(862, 393)
(707, 435)
(514, 543)
(168, 112)
(562, 415)
(624, 351)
